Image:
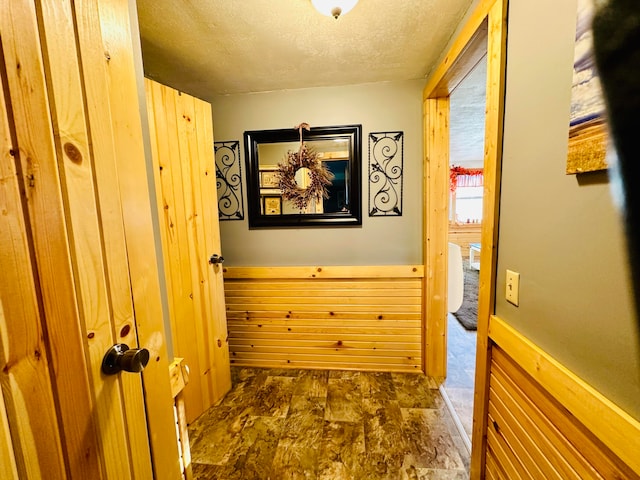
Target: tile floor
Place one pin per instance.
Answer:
(330, 425)
(461, 361)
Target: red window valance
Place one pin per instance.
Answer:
(465, 177)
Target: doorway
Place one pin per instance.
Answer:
(483, 35)
(466, 159)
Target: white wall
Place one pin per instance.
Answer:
(561, 232)
(389, 106)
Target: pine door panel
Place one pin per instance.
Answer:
(182, 146)
(78, 261)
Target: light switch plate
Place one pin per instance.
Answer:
(513, 287)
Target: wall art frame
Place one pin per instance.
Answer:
(386, 169)
(587, 125)
(229, 180)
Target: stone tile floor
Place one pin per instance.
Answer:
(461, 366)
(329, 425)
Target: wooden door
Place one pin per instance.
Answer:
(181, 129)
(78, 261)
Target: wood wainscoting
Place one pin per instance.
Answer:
(545, 422)
(464, 234)
(334, 317)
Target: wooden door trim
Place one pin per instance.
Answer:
(435, 221)
(488, 20)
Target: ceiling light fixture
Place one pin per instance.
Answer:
(334, 8)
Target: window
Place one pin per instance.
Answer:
(466, 205)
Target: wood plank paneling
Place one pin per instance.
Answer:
(464, 234)
(366, 318)
(532, 435)
(106, 45)
(513, 441)
(35, 249)
(517, 424)
(163, 122)
(78, 222)
(614, 428)
(125, 440)
(8, 469)
(494, 471)
(506, 403)
(504, 456)
(208, 232)
(182, 150)
(133, 181)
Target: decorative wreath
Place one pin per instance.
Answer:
(319, 175)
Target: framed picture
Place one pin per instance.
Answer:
(268, 179)
(273, 205)
(587, 127)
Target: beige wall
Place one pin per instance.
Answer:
(389, 106)
(562, 233)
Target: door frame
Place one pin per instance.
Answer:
(484, 33)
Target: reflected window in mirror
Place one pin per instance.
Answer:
(338, 149)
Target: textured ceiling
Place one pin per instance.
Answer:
(466, 125)
(213, 47)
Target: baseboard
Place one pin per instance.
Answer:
(456, 419)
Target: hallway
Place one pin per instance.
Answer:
(313, 424)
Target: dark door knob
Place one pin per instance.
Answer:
(216, 259)
(121, 357)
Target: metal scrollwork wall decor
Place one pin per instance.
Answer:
(385, 173)
(229, 180)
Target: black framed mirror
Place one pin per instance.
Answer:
(338, 148)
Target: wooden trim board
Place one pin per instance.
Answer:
(496, 66)
(436, 242)
(383, 271)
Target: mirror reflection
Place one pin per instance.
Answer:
(334, 154)
(337, 148)
(303, 178)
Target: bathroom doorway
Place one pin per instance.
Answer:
(466, 159)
